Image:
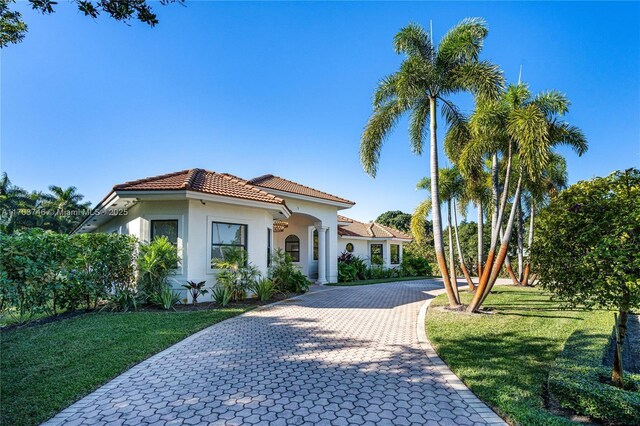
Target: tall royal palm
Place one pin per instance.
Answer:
(428, 75)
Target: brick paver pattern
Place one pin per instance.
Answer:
(335, 356)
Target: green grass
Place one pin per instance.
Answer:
(45, 368)
(505, 357)
(378, 281)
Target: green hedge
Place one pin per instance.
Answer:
(43, 272)
(575, 381)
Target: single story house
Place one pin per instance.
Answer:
(202, 212)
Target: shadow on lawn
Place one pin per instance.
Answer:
(489, 362)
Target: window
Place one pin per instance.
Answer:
(315, 244)
(376, 254)
(395, 254)
(268, 247)
(349, 247)
(292, 247)
(227, 236)
(165, 228)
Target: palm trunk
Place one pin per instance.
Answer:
(452, 264)
(465, 271)
(487, 283)
(438, 244)
(502, 253)
(509, 268)
(483, 282)
(520, 230)
(527, 267)
(495, 196)
(507, 265)
(480, 238)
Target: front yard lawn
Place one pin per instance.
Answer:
(45, 368)
(505, 357)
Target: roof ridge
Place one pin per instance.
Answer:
(151, 178)
(191, 177)
(299, 184)
(262, 177)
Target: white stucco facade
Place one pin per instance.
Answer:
(219, 203)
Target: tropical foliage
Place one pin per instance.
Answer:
(395, 219)
(42, 272)
(352, 268)
(60, 209)
(587, 250)
(235, 273)
(156, 262)
(285, 275)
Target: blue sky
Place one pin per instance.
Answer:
(285, 88)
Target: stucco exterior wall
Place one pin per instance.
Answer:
(361, 248)
(194, 233)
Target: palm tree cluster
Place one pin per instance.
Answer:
(60, 209)
(503, 156)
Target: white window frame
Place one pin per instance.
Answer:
(180, 245)
(232, 220)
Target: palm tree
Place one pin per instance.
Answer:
(538, 194)
(451, 188)
(427, 77)
(531, 127)
(63, 201)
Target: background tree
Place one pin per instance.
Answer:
(588, 248)
(427, 77)
(13, 28)
(60, 210)
(396, 219)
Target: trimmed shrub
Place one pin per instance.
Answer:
(44, 272)
(579, 382)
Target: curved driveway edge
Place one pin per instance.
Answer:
(454, 381)
(338, 356)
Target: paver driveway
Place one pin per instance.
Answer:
(341, 355)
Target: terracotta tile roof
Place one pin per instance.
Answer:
(368, 230)
(280, 184)
(204, 181)
(344, 219)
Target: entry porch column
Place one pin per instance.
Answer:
(322, 254)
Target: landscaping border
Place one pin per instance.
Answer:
(441, 367)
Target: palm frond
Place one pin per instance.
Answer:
(552, 102)
(528, 127)
(380, 124)
(419, 221)
(565, 134)
(483, 79)
(457, 137)
(386, 90)
(413, 40)
(463, 42)
(424, 183)
(418, 125)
